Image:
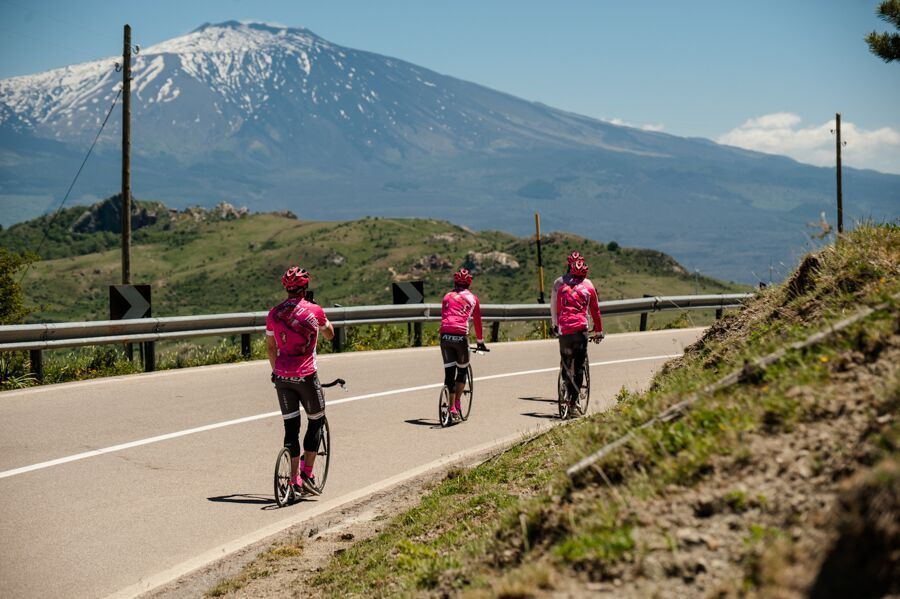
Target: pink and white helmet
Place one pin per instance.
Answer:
(579, 268)
(462, 277)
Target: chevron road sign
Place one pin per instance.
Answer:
(409, 292)
(129, 301)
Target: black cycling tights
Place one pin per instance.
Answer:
(310, 439)
(573, 350)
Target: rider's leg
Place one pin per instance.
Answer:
(462, 372)
(289, 401)
(566, 355)
(292, 441)
(580, 355)
(313, 400)
(311, 442)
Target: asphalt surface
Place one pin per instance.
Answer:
(82, 517)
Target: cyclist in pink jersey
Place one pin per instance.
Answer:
(292, 329)
(573, 298)
(571, 258)
(457, 308)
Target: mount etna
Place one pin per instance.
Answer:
(278, 118)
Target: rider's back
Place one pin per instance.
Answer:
(295, 325)
(456, 309)
(573, 298)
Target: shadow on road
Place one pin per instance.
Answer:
(544, 399)
(243, 498)
(545, 415)
(424, 422)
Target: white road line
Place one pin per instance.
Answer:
(209, 427)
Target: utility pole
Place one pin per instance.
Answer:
(540, 261)
(126, 158)
(840, 198)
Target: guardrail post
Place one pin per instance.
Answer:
(36, 357)
(719, 312)
(644, 317)
(417, 334)
(339, 339)
(149, 356)
(245, 345)
(495, 331)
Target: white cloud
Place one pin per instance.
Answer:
(645, 127)
(781, 133)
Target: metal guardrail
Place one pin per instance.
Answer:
(75, 334)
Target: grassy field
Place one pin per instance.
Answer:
(759, 490)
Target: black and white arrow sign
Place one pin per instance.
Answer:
(129, 301)
(409, 292)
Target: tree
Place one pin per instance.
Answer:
(886, 45)
(12, 300)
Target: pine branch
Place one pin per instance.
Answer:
(889, 10)
(884, 45)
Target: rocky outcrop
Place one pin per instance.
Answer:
(496, 262)
(107, 216)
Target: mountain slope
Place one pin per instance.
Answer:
(203, 262)
(279, 118)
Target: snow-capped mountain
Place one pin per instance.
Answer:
(277, 87)
(277, 117)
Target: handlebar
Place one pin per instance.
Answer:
(479, 350)
(340, 382)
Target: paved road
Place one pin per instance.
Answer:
(103, 484)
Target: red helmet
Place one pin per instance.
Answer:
(462, 277)
(576, 255)
(295, 278)
(579, 268)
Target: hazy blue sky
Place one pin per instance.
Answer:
(695, 67)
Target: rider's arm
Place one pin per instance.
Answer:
(271, 349)
(554, 310)
(325, 326)
(594, 306)
(476, 316)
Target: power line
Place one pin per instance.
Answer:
(80, 168)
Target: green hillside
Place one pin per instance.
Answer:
(215, 261)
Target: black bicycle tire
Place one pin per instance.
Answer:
(470, 383)
(562, 396)
(287, 498)
(444, 421)
(587, 384)
(324, 438)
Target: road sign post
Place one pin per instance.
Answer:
(411, 292)
(133, 301)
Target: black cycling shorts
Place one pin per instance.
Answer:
(455, 353)
(294, 392)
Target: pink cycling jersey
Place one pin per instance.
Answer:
(458, 306)
(574, 297)
(295, 325)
